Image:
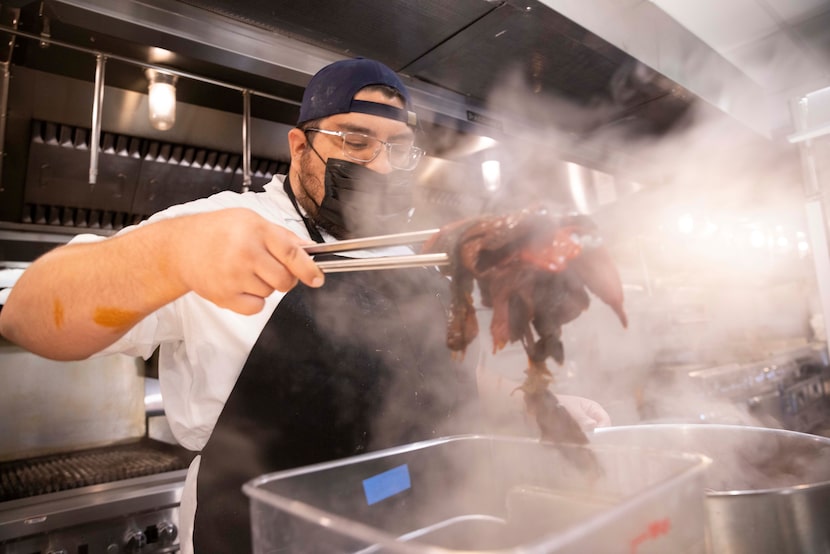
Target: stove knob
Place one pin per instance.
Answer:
(135, 540)
(167, 532)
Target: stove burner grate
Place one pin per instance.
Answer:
(58, 472)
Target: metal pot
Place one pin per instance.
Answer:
(767, 490)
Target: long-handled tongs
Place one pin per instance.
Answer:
(587, 241)
(381, 262)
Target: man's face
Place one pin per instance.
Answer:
(307, 173)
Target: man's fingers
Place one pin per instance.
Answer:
(601, 417)
(286, 247)
(588, 413)
(274, 274)
(256, 285)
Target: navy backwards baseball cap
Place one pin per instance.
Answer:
(331, 91)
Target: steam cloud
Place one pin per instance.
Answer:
(708, 296)
(704, 295)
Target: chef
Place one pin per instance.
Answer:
(264, 363)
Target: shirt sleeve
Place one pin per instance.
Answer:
(163, 325)
(166, 325)
(142, 340)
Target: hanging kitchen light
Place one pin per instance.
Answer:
(491, 171)
(162, 103)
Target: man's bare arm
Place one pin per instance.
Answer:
(80, 298)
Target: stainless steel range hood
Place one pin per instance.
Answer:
(452, 54)
(455, 57)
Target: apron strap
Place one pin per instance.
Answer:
(309, 225)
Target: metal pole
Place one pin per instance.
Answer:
(97, 104)
(246, 140)
(4, 105)
(4, 92)
(815, 210)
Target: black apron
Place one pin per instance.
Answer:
(357, 365)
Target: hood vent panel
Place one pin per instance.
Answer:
(136, 177)
(394, 32)
(495, 53)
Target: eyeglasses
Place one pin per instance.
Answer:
(364, 148)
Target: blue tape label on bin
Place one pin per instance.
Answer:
(386, 484)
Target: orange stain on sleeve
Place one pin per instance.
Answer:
(57, 311)
(115, 317)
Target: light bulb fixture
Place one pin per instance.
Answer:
(162, 102)
(491, 171)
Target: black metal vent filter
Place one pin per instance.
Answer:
(136, 177)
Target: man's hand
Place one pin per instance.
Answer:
(588, 413)
(236, 259)
(80, 298)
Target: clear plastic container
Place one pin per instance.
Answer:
(485, 494)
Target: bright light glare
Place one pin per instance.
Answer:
(686, 224)
(491, 171)
(577, 186)
(485, 142)
(710, 228)
(162, 105)
(757, 238)
(803, 247)
(154, 398)
(160, 55)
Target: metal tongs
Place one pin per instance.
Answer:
(380, 262)
(587, 241)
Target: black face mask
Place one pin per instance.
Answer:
(360, 202)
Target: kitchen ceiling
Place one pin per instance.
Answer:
(768, 52)
(639, 60)
(454, 54)
(621, 64)
(633, 65)
(783, 45)
(748, 58)
(644, 62)
(471, 47)
(637, 67)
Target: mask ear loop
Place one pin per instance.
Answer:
(309, 225)
(313, 232)
(308, 140)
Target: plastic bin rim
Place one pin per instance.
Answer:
(782, 491)
(371, 535)
(420, 445)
